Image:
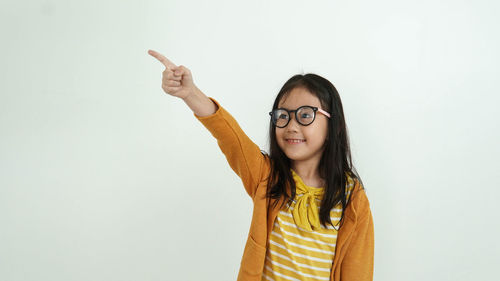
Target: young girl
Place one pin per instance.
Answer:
(311, 216)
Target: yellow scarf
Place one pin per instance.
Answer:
(303, 215)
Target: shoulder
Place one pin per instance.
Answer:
(359, 205)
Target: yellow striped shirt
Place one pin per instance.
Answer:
(295, 253)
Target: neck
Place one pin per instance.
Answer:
(309, 173)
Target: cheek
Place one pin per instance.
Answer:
(318, 133)
(278, 135)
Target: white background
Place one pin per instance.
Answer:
(103, 176)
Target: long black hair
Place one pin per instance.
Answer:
(335, 164)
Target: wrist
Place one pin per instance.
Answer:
(195, 93)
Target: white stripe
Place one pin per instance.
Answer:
(267, 277)
(297, 272)
(302, 246)
(300, 228)
(297, 254)
(282, 275)
(301, 264)
(308, 239)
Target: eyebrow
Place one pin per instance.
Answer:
(297, 107)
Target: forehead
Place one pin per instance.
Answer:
(298, 97)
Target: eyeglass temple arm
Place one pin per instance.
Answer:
(324, 112)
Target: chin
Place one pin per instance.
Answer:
(294, 155)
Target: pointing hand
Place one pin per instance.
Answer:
(177, 80)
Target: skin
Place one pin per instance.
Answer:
(305, 156)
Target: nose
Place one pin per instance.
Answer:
(292, 124)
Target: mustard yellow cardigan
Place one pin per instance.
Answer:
(354, 251)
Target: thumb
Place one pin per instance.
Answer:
(178, 71)
(183, 70)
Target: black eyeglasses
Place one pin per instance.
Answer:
(305, 115)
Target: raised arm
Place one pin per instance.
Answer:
(242, 154)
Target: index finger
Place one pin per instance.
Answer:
(166, 62)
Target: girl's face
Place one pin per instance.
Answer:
(314, 134)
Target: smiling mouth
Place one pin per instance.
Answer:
(293, 141)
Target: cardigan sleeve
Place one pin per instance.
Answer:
(357, 264)
(243, 155)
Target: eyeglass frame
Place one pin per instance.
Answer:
(314, 108)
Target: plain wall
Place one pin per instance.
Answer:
(103, 176)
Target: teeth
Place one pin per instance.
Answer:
(295, 141)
